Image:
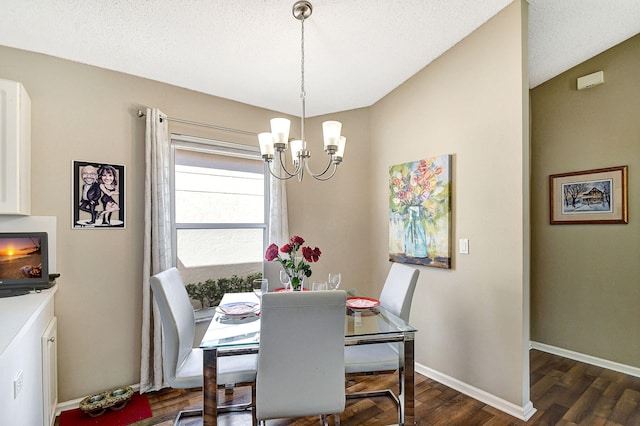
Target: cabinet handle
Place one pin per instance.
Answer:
(52, 339)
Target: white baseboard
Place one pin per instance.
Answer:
(75, 403)
(523, 413)
(588, 359)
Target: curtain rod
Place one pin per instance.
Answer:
(210, 126)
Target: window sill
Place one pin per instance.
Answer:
(203, 315)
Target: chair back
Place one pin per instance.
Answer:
(301, 357)
(398, 289)
(271, 271)
(178, 323)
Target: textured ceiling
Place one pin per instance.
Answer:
(356, 51)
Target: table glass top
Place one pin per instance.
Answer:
(225, 331)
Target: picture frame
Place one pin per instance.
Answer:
(98, 195)
(420, 229)
(596, 196)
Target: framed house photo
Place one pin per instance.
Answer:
(98, 200)
(589, 197)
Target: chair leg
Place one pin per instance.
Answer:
(336, 419)
(323, 420)
(254, 419)
(186, 414)
(401, 393)
(228, 389)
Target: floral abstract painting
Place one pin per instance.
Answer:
(420, 212)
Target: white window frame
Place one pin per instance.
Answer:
(213, 146)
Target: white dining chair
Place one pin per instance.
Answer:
(383, 358)
(182, 363)
(301, 356)
(271, 271)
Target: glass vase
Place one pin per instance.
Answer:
(415, 236)
(297, 281)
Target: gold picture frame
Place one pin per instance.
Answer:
(596, 196)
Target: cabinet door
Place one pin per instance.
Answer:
(50, 371)
(15, 149)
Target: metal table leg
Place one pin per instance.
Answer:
(408, 391)
(209, 387)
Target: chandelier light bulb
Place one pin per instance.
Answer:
(296, 147)
(331, 132)
(280, 130)
(266, 144)
(341, 145)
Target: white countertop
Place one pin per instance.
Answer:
(18, 312)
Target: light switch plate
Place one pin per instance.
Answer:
(463, 246)
(18, 382)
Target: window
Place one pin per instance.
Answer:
(220, 216)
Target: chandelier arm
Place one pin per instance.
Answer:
(321, 178)
(326, 169)
(284, 168)
(276, 176)
(288, 174)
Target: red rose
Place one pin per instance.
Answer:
(307, 253)
(286, 248)
(311, 255)
(297, 240)
(272, 252)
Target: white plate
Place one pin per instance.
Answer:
(238, 309)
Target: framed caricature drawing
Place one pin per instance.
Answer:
(98, 200)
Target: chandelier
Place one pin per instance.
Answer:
(275, 143)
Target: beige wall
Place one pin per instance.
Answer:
(584, 280)
(335, 215)
(86, 113)
(469, 103)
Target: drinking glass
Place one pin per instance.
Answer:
(285, 280)
(334, 280)
(319, 285)
(260, 287)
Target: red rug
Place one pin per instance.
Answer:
(137, 408)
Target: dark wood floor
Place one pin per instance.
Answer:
(565, 392)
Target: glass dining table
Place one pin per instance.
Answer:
(227, 336)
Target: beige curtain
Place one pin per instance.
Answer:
(278, 214)
(278, 224)
(157, 243)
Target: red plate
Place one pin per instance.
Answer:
(358, 303)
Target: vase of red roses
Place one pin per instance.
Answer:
(295, 266)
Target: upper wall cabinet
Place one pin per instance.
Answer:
(15, 149)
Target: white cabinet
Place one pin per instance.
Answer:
(49, 342)
(27, 366)
(15, 149)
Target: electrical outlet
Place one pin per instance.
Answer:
(17, 384)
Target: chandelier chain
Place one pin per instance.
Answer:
(303, 94)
